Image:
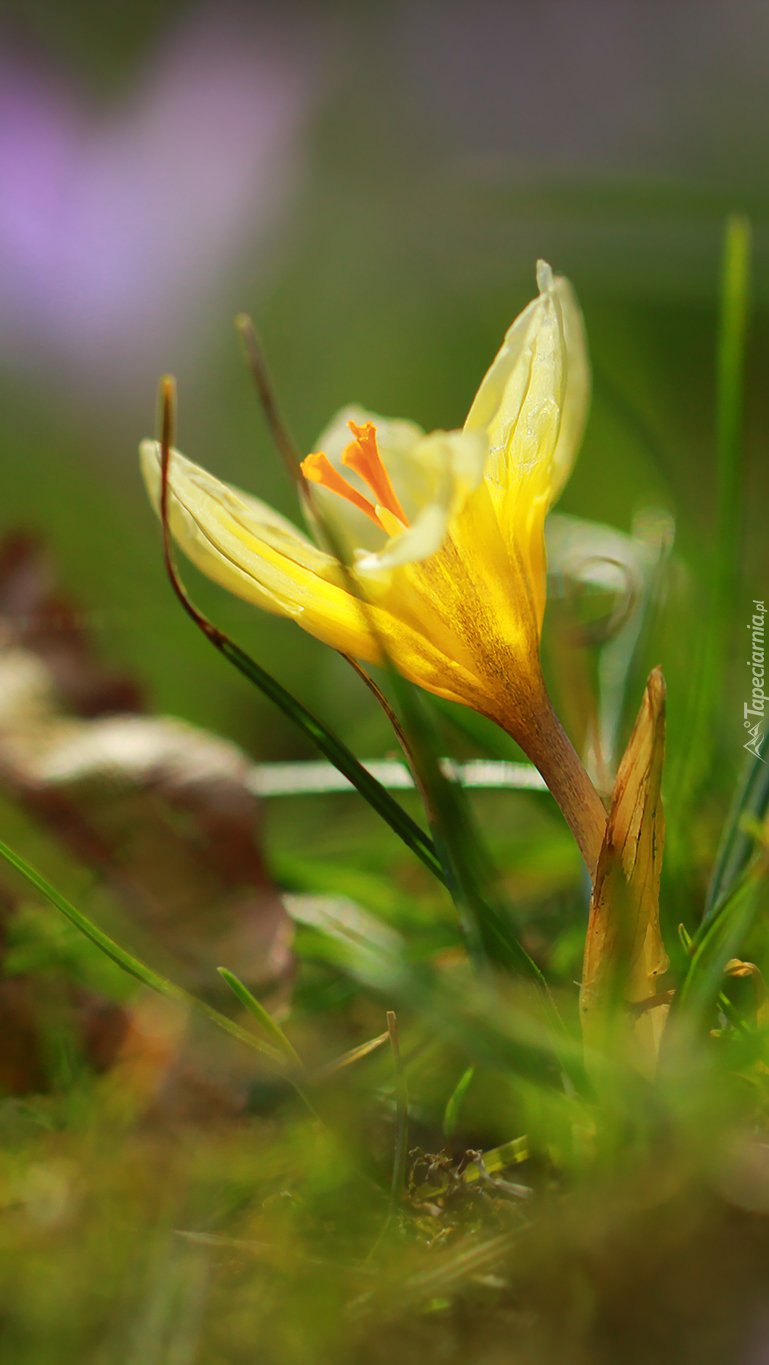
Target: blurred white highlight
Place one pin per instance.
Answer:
(294, 779)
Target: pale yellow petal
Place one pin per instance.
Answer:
(254, 517)
(521, 403)
(524, 432)
(576, 395)
(395, 436)
(351, 529)
(450, 465)
(252, 551)
(223, 533)
(197, 544)
(503, 386)
(503, 399)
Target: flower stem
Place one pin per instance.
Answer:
(544, 740)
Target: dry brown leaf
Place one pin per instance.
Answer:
(624, 953)
(159, 809)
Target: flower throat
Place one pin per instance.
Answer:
(363, 458)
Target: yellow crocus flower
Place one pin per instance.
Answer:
(443, 536)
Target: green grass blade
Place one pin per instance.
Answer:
(324, 739)
(730, 365)
(719, 941)
(737, 842)
(451, 1113)
(468, 1015)
(401, 1113)
(712, 650)
(273, 1030)
(499, 1158)
(292, 1060)
(132, 965)
(470, 876)
(337, 753)
(356, 1054)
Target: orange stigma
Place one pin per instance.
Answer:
(363, 457)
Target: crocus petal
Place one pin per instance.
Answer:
(576, 395)
(448, 577)
(432, 476)
(499, 401)
(255, 553)
(352, 530)
(203, 510)
(449, 466)
(532, 402)
(519, 400)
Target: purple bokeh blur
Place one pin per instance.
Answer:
(118, 227)
(124, 227)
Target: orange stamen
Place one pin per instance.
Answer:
(362, 455)
(319, 469)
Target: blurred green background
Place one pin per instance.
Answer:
(373, 182)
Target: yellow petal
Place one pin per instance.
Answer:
(533, 404)
(431, 476)
(449, 466)
(499, 403)
(257, 554)
(523, 430)
(396, 439)
(576, 394)
(209, 517)
(447, 577)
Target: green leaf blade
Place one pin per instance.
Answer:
(454, 1103)
(262, 1016)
